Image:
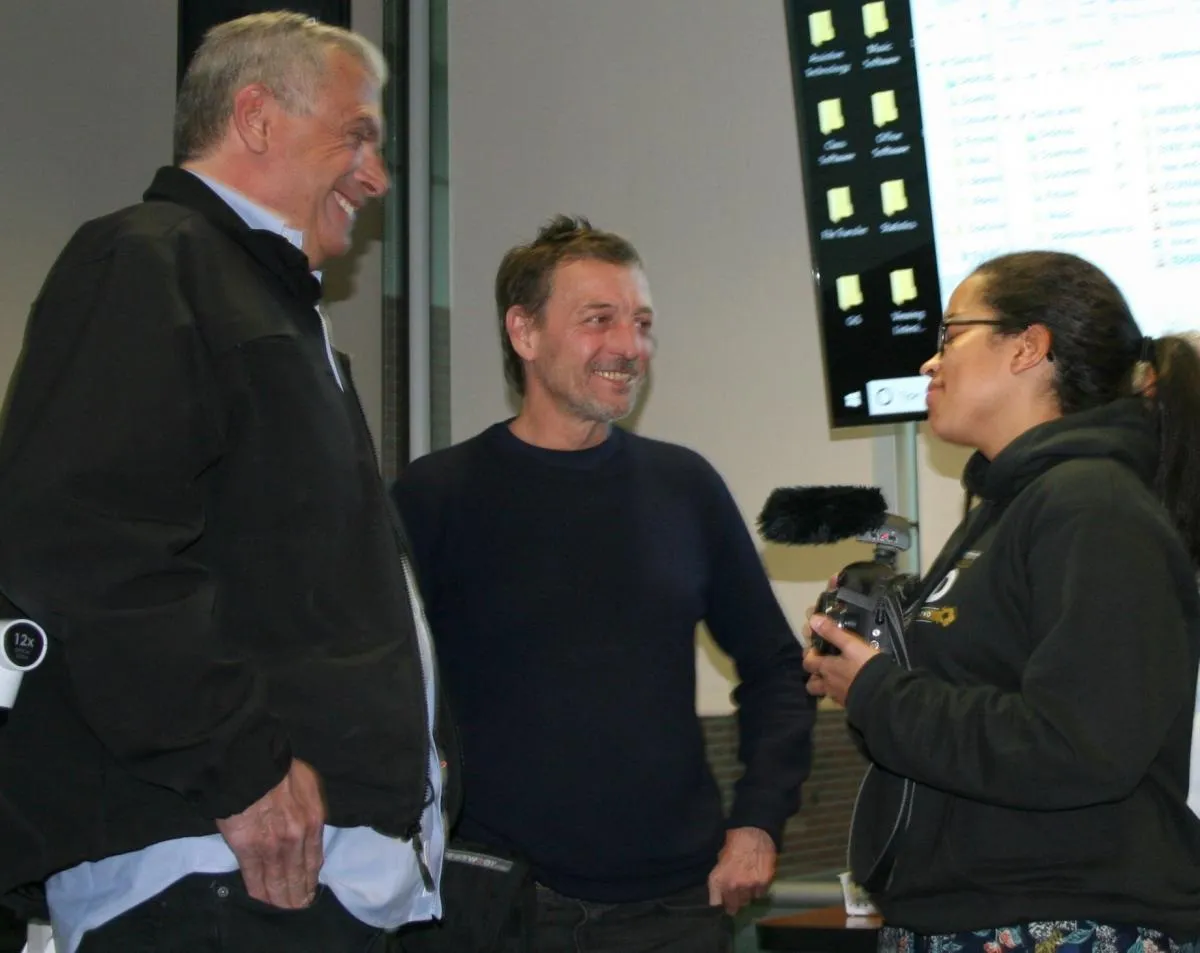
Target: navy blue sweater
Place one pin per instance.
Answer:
(564, 589)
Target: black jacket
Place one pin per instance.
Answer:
(190, 506)
(1048, 718)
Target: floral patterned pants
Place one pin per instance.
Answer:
(1063, 936)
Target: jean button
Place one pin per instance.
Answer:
(223, 892)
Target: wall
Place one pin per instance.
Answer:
(86, 113)
(673, 123)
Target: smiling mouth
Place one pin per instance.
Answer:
(617, 377)
(346, 205)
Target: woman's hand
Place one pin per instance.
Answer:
(815, 684)
(832, 675)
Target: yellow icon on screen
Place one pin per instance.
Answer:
(829, 114)
(875, 18)
(840, 204)
(883, 107)
(894, 198)
(820, 27)
(849, 292)
(904, 285)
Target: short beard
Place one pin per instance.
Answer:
(582, 407)
(600, 413)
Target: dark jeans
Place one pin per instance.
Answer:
(680, 923)
(212, 913)
(12, 932)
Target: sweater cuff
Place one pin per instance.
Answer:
(865, 688)
(760, 809)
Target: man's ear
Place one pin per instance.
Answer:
(252, 115)
(1035, 346)
(522, 331)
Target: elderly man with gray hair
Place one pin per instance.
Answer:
(234, 742)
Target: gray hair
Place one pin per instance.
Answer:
(285, 52)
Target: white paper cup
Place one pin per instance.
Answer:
(857, 901)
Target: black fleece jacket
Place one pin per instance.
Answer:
(1048, 720)
(190, 506)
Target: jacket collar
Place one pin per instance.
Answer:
(274, 252)
(1123, 431)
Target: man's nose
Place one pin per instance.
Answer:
(625, 339)
(373, 175)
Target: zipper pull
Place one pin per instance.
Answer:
(419, 850)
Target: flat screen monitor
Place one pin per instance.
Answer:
(939, 133)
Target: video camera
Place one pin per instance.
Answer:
(871, 595)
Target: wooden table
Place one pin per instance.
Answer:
(827, 930)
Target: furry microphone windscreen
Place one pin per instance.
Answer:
(821, 514)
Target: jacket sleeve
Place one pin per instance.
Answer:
(1110, 671)
(112, 435)
(775, 712)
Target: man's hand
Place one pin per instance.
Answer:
(278, 840)
(832, 675)
(745, 868)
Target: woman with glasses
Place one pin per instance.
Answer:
(1030, 771)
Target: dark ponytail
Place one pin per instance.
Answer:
(1177, 402)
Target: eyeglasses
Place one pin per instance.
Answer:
(959, 323)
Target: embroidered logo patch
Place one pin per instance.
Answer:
(938, 615)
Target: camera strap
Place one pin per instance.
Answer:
(900, 618)
(855, 598)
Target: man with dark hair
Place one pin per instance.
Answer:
(566, 564)
(527, 272)
(230, 745)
